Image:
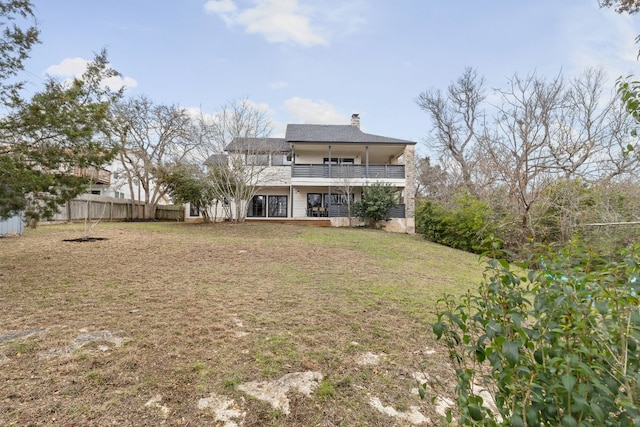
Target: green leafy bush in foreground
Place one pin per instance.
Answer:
(559, 347)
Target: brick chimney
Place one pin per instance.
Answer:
(355, 120)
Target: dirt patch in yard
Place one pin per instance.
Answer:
(247, 325)
(85, 239)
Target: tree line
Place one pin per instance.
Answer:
(81, 123)
(543, 158)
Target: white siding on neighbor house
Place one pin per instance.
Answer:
(13, 225)
(119, 187)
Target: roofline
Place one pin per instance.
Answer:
(397, 142)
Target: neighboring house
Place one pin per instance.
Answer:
(311, 170)
(113, 181)
(100, 179)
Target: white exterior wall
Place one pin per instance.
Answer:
(119, 187)
(275, 175)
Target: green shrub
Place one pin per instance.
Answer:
(467, 225)
(376, 201)
(558, 347)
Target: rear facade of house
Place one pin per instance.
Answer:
(317, 172)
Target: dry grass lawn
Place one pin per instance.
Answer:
(169, 323)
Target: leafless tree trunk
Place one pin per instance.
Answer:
(520, 147)
(456, 118)
(152, 135)
(345, 189)
(237, 170)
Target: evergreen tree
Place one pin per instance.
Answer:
(61, 127)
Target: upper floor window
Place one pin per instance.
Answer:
(339, 161)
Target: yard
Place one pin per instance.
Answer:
(222, 325)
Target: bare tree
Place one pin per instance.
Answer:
(456, 116)
(240, 153)
(151, 136)
(622, 6)
(345, 188)
(545, 136)
(526, 126)
(434, 181)
(239, 118)
(591, 130)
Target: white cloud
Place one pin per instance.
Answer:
(69, 67)
(226, 9)
(307, 111)
(75, 67)
(279, 21)
(609, 44)
(346, 17)
(264, 107)
(220, 7)
(118, 82)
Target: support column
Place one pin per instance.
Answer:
(366, 162)
(410, 188)
(328, 207)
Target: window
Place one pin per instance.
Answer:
(278, 206)
(96, 192)
(257, 207)
(118, 195)
(339, 161)
(314, 200)
(316, 203)
(333, 161)
(194, 210)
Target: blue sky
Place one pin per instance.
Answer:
(319, 61)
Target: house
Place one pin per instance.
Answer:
(316, 171)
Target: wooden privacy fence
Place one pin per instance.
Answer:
(94, 207)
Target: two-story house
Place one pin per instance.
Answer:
(316, 172)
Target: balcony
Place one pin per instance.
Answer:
(98, 176)
(348, 171)
(397, 211)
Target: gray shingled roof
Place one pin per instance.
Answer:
(259, 145)
(216, 159)
(336, 133)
